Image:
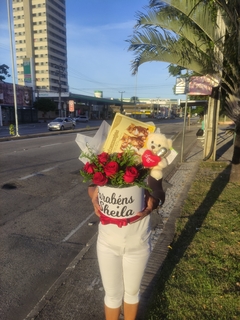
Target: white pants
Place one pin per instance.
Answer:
(122, 255)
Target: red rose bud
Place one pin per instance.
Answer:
(103, 157)
(99, 179)
(111, 168)
(89, 167)
(119, 155)
(130, 175)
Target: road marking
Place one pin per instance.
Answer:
(77, 228)
(36, 173)
(50, 145)
(49, 169)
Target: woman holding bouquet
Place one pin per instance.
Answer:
(123, 253)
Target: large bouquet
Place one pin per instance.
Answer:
(116, 170)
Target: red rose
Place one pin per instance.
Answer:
(103, 157)
(99, 179)
(89, 167)
(111, 168)
(130, 175)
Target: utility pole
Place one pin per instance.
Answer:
(59, 96)
(59, 67)
(184, 127)
(121, 108)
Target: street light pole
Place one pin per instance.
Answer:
(13, 68)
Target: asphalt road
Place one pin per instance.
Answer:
(35, 128)
(46, 216)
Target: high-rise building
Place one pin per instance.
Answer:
(40, 42)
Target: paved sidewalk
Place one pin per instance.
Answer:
(72, 297)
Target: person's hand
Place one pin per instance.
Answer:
(93, 194)
(151, 204)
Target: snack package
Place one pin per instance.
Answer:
(127, 131)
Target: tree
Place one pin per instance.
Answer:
(198, 35)
(45, 105)
(4, 72)
(175, 70)
(134, 99)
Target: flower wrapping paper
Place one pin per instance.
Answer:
(95, 143)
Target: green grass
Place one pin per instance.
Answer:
(200, 278)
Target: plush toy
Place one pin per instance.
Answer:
(153, 156)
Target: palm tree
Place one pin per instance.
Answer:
(198, 35)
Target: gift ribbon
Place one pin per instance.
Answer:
(119, 222)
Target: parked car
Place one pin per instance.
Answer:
(82, 118)
(159, 116)
(61, 124)
(73, 120)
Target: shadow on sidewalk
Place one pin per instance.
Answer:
(223, 149)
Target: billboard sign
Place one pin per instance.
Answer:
(98, 94)
(27, 72)
(71, 105)
(23, 94)
(181, 86)
(200, 86)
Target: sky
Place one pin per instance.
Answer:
(98, 56)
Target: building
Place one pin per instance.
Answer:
(26, 113)
(40, 42)
(152, 107)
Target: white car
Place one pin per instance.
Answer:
(61, 124)
(82, 118)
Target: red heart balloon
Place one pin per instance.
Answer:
(150, 159)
